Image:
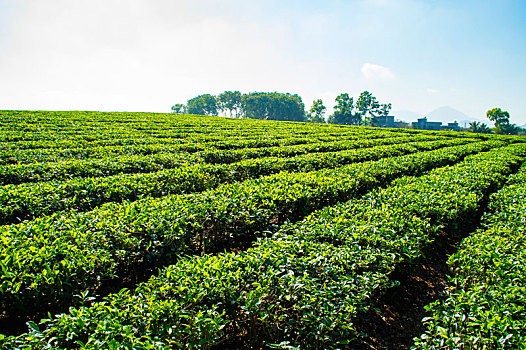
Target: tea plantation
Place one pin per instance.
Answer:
(170, 231)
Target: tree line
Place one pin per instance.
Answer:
(286, 106)
(365, 110)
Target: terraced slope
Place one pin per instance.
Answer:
(253, 233)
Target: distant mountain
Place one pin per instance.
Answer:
(447, 114)
(523, 126)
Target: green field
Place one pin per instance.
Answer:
(165, 231)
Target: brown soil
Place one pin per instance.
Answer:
(396, 316)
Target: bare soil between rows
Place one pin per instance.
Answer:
(395, 318)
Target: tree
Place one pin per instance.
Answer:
(316, 112)
(498, 116)
(344, 111)
(508, 129)
(230, 101)
(369, 108)
(273, 106)
(384, 109)
(203, 105)
(178, 108)
(478, 127)
(502, 122)
(366, 106)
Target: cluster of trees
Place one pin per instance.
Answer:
(285, 106)
(363, 112)
(256, 105)
(502, 124)
(478, 127)
(273, 106)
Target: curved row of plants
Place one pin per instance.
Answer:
(105, 139)
(56, 171)
(168, 129)
(25, 201)
(156, 161)
(208, 150)
(303, 287)
(140, 147)
(77, 130)
(230, 156)
(26, 125)
(25, 149)
(485, 306)
(45, 262)
(109, 165)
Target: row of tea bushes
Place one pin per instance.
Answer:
(301, 288)
(111, 164)
(50, 259)
(126, 163)
(32, 143)
(42, 172)
(27, 125)
(485, 306)
(142, 147)
(63, 131)
(28, 200)
(230, 156)
(191, 143)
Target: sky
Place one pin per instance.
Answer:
(147, 55)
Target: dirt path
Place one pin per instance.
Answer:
(396, 316)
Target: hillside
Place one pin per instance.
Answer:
(158, 231)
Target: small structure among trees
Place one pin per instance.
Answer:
(384, 121)
(424, 124)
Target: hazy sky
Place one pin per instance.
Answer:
(146, 55)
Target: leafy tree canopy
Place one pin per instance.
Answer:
(286, 106)
(366, 103)
(498, 116)
(369, 108)
(502, 122)
(384, 109)
(316, 112)
(178, 108)
(203, 105)
(231, 101)
(274, 106)
(344, 111)
(366, 109)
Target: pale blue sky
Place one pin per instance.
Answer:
(145, 55)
